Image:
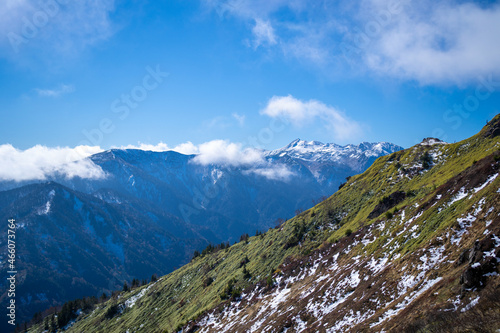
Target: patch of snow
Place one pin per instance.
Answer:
(355, 280)
(456, 303)
(480, 208)
(472, 304)
(492, 252)
(46, 210)
(492, 178)
(381, 227)
(459, 196)
(410, 221)
(367, 241)
(327, 307)
(432, 142)
(377, 266)
(216, 175)
(132, 300)
(407, 301)
(407, 282)
(131, 178)
(464, 223)
(20, 225)
(350, 320)
(436, 256)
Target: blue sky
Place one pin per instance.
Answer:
(259, 73)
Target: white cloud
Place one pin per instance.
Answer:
(433, 43)
(239, 118)
(264, 33)
(301, 113)
(278, 172)
(43, 163)
(61, 90)
(187, 148)
(40, 163)
(251, 160)
(227, 153)
(148, 147)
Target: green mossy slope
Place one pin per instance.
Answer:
(426, 176)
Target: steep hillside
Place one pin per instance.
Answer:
(153, 210)
(411, 244)
(72, 245)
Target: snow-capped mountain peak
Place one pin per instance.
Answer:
(316, 151)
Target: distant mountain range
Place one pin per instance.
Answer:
(410, 245)
(80, 237)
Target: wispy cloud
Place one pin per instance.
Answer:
(61, 90)
(239, 118)
(434, 43)
(41, 163)
(224, 122)
(249, 9)
(301, 113)
(53, 27)
(302, 35)
(263, 33)
(148, 147)
(187, 148)
(219, 122)
(445, 43)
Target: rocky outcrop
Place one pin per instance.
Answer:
(387, 203)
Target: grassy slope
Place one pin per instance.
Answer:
(181, 295)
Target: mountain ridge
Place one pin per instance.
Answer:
(179, 205)
(429, 261)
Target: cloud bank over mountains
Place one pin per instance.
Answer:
(41, 162)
